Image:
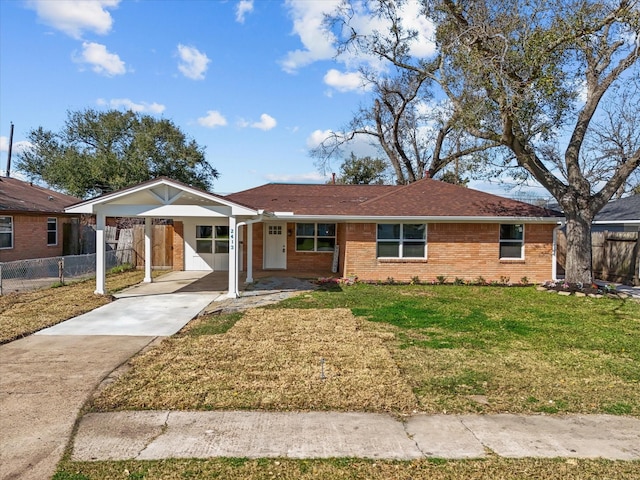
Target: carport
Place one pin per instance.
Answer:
(211, 243)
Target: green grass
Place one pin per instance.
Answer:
(491, 468)
(570, 354)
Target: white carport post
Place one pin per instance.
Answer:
(147, 250)
(100, 254)
(233, 259)
(249, 252)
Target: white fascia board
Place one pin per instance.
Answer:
(163, 211)
(430, 219)
(616, 222)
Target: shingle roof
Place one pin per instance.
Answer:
(423, 198)
(620, 210)
(17, 196)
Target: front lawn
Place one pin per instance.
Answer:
(434, 349)
(393, 349)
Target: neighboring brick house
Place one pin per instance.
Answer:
(419, 231)
(31, 220)
(424, 230)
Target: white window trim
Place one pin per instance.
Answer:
(501, 241)
(402, 240)
(11, 233)
(316, 236)
(50, 231)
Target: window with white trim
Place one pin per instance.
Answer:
(6, 232)
(222, 239)
(512, 241)
(315, 237)
(401, 240)
(52, 231)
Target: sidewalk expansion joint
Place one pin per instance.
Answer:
(163, 430)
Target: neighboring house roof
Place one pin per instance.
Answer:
(620, 211)
(425, 198)
(17, 196)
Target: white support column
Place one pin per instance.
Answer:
(233, 259)
(147, 250)
(249, 253)
(100, 254)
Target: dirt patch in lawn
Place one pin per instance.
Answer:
(272, 360)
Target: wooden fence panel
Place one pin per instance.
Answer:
(161, 245)
(615, 256)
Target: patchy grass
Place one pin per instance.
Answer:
(489, 350)
(493, 468)
(435, 349)
(270, 360)
(24, 313)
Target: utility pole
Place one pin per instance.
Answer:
(10, 148)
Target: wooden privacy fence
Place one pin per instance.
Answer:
(615, 256)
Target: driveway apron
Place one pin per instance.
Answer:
(47, 377)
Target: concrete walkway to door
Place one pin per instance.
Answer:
(47, 377)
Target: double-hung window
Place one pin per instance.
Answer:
(315, 237)
(204, 239)
(402, 240)
(52, 231)
(6, 232)
(512, 241)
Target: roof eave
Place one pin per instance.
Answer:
(422, 218)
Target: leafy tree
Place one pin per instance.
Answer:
(532, 77)
(362, 171)
(98, 152)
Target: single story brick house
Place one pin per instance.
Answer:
(422, 230)
(31, 220)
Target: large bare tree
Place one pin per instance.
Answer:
(550, 82)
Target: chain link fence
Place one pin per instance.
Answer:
(43, 272)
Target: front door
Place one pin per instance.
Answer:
(275, 246)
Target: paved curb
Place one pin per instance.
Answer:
(153, 435)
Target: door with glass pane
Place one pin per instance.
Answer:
(203, 255)
(275, 246)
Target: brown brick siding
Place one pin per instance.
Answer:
(465, 251)
(454, 250)
(30, 238)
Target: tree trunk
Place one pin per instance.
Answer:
(578, 261)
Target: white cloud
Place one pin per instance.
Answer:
(127, 104)
(193, 63)
(345, 82)
(267, 122)
(102, 61)
(4, 144)
(244, 7)
(75, 16)
(317, 41)
(320, 44)
(361, 145)
(212, 120)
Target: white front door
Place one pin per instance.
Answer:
(275, 246)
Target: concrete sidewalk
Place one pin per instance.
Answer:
(152, 435)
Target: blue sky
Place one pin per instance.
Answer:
(254, 82)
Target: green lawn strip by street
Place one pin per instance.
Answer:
(493, 468)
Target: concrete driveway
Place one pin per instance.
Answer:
(47, 377)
